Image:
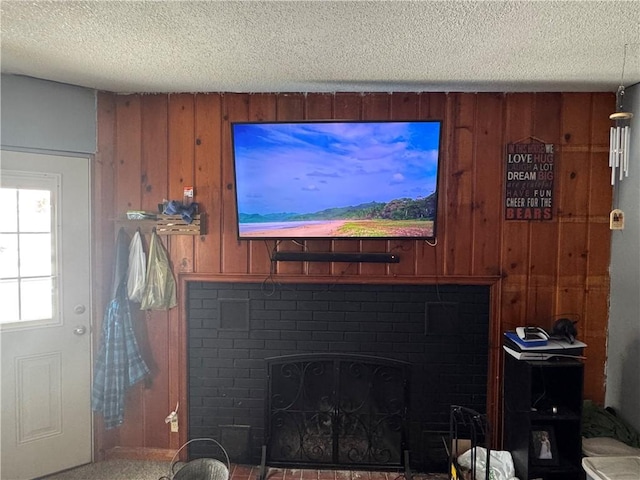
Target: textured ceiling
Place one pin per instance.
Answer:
(318, 46)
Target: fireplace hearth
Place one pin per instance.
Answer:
(242, 338)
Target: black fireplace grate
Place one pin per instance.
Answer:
(336, 410)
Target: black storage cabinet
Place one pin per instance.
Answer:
(544, 396)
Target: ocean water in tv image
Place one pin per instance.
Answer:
(336, 179)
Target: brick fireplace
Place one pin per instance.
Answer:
(441, 331)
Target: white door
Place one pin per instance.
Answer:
(45, 314)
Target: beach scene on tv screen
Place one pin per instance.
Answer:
(336, 179)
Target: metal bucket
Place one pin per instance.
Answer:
(201, 468)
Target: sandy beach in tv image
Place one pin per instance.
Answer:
(336, 179)
(338, 228)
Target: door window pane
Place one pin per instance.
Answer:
(9, 212)
(9, 254)
(32, 289)
(10, 301)
(34, 210)
(35, 254)
(28, 257)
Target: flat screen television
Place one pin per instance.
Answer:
(336, 179)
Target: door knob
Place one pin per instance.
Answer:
(81, 330)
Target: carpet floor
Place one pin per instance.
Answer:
(155, 470)
(116, 470)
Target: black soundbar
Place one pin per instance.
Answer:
(335, 257)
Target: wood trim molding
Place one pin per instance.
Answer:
(140, 453)
(346, 279)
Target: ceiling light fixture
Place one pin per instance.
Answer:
(619, 137)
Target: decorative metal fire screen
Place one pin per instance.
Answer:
(336, 410)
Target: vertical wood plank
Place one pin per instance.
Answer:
(515, 234)
(154, 151)
(181, 171)
(575, 238)
(208, 180)
(129, 197)
(347, 106)
(541, 304)
(599, 250)
(592, 329)
(543, 254)
(594, 323)
(128, 153)
(571, 303)
(513, 313)
(176, 367)
(131, 433)
(602, 105)
(152, 329)
(600, 190)
(154, 345)
(488, 116)
(575, 115)
(460, 182)
(433, 106)
(181, 154)
(495, 368)
(235, 254)
(574, 185)
(487, 201)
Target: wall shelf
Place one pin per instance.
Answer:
(165, 224)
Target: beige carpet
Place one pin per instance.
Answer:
(116, 470)
(155, 470)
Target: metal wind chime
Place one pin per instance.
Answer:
(620, 135)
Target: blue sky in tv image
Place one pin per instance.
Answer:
(307, 167)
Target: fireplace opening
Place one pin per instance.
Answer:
(439, 334)
(336, 410)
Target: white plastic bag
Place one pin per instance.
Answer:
(500, 465)
(160, 292)
(137, 270)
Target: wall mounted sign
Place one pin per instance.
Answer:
(529, 174)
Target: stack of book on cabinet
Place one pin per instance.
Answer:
(536, 350)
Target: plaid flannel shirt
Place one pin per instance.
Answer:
(119, 364)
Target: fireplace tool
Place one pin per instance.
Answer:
(468, 430)
(200, 468)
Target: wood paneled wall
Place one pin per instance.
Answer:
(150, 146)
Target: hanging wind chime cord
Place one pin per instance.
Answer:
(624, 63)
